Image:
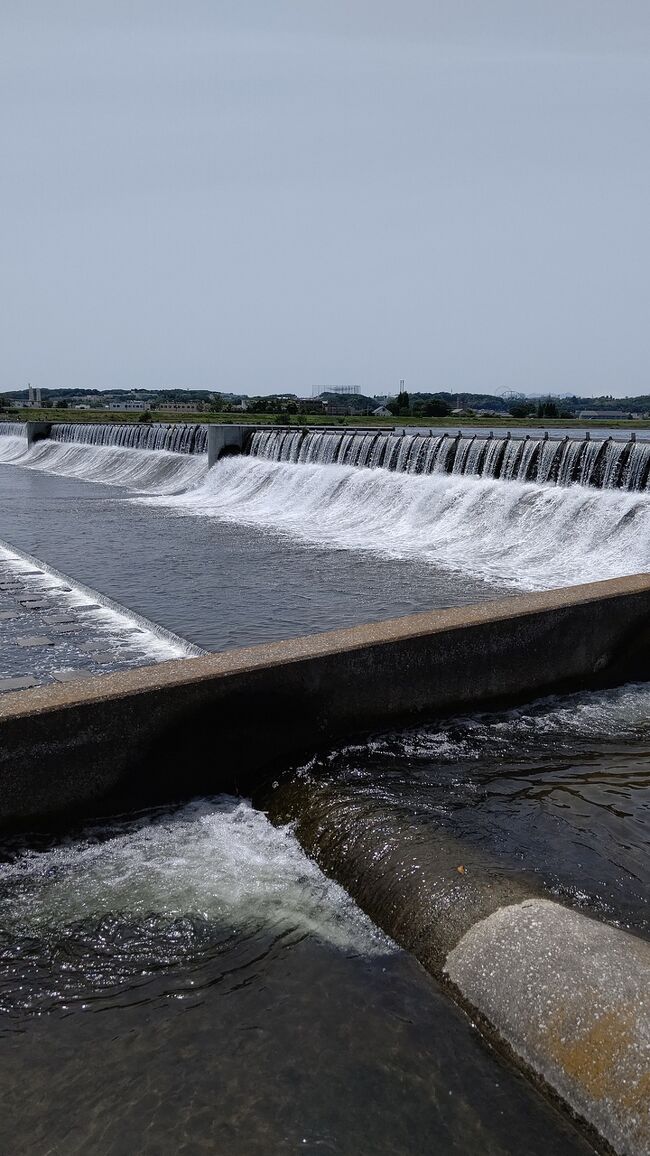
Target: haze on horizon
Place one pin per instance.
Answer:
(252, 196)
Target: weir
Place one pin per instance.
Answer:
(607, 464)
(601, 463)
(236, 721)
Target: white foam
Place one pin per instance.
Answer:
(523, 535)
(215, 859)
(12, 447)
(551, 724)
(151, 470)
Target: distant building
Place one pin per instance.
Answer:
(177, 406)
(311, 405)
(34, 398)
(129, 405)
(605, 415)
(336, 409)
(382, 411)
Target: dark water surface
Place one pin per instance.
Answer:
(557, 791)
(190, 982)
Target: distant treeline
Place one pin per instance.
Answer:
(434, 404)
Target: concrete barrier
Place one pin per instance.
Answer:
(37, 431)
(572, 999)
(216, 722)
(568, 996)
(226, 439)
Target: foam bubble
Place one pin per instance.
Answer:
(216, 860)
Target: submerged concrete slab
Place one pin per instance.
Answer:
(34, 640)
(19, 682)
(71, 675)
(572, 998)
(8, 615)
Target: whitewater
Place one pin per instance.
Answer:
(524, 535)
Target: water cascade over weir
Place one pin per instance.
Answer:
(175, 438)
(606, 464)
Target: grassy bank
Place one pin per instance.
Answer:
(104, 415)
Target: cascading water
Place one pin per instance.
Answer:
(161, 471)
(14, 429)
(176, 438)
(439, 498)
(522, 535)
(604, 464)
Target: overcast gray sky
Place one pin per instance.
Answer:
(265, 195)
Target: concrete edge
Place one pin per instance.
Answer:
(182, 672)
(571, 997)
(564, 996)
(160, 632)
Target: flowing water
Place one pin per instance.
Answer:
(188, 980)
(557, 792)
(220, 583)
(175, 437)
(513, 534)
(603, 463)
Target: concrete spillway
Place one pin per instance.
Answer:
(601, 463)
(607, 464)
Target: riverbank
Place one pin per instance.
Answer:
(503, 421)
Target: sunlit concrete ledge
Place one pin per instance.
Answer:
(571, 997)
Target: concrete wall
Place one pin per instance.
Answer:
(37, 431)
(214, 723)
(224, 439)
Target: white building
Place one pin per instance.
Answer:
(178, 406)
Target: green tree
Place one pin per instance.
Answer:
(547, 408)
(436, 408)
(399, 404)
